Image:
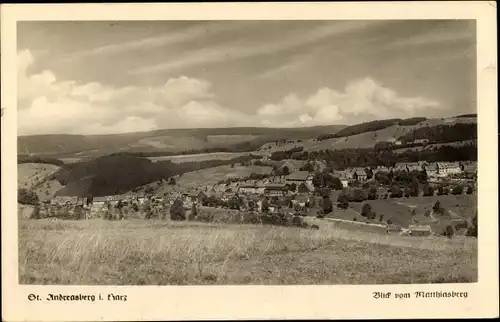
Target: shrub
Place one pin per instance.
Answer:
(354, 219)
(449, 232)
(389, 221)
(316, 227)
(193, 213)
(457, 190)
(396, 192)
(428, 191)
(342, 201)
(357, 195)
(372, 193)
(177, 211)
(366, 211)
(381, 218)
(327, 205)
(27, 197)
(437, 208)
(472, 229)
(469, 190)
(440, 191)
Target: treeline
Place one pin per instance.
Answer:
(248, 146)
(443, 133)
(341, 159)
(466, 115)
(370, 126)
(118, 174)
(34, 159)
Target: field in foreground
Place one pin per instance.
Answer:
(98, 252)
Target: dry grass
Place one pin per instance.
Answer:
(165, 252)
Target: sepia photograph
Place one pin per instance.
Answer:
(247, 152)
(209, 151)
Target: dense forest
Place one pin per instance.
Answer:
(121, 173)
(35, 159)
(443, 133)
(341, 159)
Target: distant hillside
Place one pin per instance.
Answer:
(370, 127)
(443, 133)
(164, 141)
(119, 174)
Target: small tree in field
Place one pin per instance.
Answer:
(437, 208)
(472, 229)
(381, 218)
(449, 231)
(366, 211)
(177, 211)
(342, 201)
(327, 205)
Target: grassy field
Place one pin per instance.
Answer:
(210, 176)
(139, 252)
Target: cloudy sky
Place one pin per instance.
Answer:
(115, 77)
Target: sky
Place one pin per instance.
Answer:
(103, 77)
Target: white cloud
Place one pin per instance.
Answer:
(244, 49)
(361, 100)
(47, 105)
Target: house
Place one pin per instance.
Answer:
(197, 196)
(446, 168)
(61, 200)
(398, 142)
(275, 189)
(301, 200)
(140, 197)
(299, 177)
(420, 141)
(305, 188)
(99, 200)
(251, 189)
(345, 182)
(114, 199)
(420, 230)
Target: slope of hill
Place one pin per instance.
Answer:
(388, 130)
(31, 174)
(173, 140)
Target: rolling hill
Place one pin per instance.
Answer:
(163, 141)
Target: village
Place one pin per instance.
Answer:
(294, 192)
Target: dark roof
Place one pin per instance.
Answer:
(298, 176)
(275, 186)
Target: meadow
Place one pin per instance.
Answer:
(155, 252)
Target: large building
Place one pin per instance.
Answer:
(299, 177)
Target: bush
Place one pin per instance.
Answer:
(372, 193)
(316, 227)
(469, 190)
(472, 229)
(177, 211)
(389, 221)
(366, 211)
(457, 190)
(437, 208)
(428, 191)
(342, 201)
(449, 232)
(396, 192)
(27, 197)
(327, 205)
